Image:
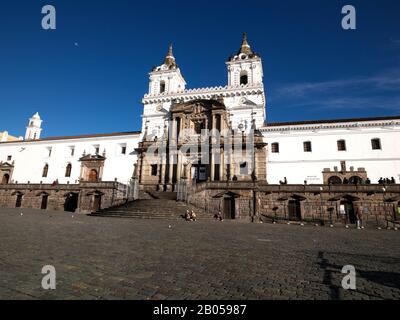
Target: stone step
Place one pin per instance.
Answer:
(154, 208)
(146, 215)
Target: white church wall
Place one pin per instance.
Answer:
(30, 157)
(295, 164)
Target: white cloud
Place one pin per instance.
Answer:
(381, 91)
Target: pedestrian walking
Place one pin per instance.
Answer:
(359, 216)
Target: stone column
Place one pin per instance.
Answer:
(163, 169)
(212, 167)
(140, 168)
(222, 166)
(178, 167)
(171, 168)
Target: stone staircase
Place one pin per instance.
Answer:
(160, 205)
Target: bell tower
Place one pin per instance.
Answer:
(167, 78)
(245, 68)
(34, 129)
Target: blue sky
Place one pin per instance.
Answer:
(90, 74)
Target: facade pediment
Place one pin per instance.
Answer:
(5, 165)
(95, 157)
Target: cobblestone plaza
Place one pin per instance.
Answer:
(109, 258)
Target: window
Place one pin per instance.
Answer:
(72, 151)
(45, 171)
(122, 148)
(49, 152)
(275, 147)
(341, 145)
(307, 146)
(334, 180)
(198, 126)
(243, 78)
(154, 168)
(162, 86)
(243, 168)
(376, 144)
(9, 158)
(68, 170)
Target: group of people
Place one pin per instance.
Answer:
(218, 216)
(360, 211)
(190, 215)
(387, 181)
(284, 181)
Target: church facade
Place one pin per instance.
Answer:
(199, 136)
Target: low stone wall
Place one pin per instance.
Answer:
(108, 194)
(258, 201)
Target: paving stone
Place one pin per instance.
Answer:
(109, 258)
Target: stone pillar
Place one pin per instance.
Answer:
(222, 166)
(171, 168)
(141, 168)
(163, 169)
(173, 131)
(212, 166)
(178, 167)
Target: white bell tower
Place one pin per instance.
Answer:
(167, 78)
(245, 68)
(33, 129)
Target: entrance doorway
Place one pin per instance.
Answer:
(5, 179)
(349, 207)
(229, 208)
(294, 208)
(18, 202)
(96, 202)
(71, 202)
(45, 199)
(397, 211)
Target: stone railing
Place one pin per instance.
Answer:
(265, 187)
(44, 186)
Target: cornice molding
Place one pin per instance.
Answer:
(387, 124)
(205, 93)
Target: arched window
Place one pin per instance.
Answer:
(355, 180)
(334, 180)
(5, 179)
(243, 168)
(68, 170)
(162, 86)
(45, 171)
(244, 78)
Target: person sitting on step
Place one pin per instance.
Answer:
(187, 215)
(193, 216)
